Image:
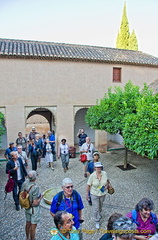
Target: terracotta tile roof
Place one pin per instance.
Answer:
(50, 50)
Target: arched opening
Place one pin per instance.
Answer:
(80, 123)
(42, 119)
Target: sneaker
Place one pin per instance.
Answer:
(97, 226)
(52, 168)
(67, 168)
(17, 208)
(64, 169)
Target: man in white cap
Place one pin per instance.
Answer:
(32, 134)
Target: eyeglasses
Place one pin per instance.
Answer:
(69, 186)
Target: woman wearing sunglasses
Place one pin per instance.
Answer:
(97, 185)
(68, 200)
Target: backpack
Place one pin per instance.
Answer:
(134, 218)
(61, 194)
(24, 198)
(9, 185)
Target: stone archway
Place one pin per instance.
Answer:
(43, 118)
(79, 122)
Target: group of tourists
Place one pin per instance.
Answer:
(34, 147)
(67, 205)
(141, 223)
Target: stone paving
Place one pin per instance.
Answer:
(130, 186)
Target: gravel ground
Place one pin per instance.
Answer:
(130, 186)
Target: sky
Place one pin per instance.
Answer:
(84, 22)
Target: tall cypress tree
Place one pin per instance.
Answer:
(123, 35)
(125, 40)
(133, 43)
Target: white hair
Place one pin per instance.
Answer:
(32, 175)
(66, 181)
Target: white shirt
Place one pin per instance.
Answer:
(23, 156)
(64, 148)
(90, 148)
(19, 176)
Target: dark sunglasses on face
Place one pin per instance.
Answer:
(69, 186)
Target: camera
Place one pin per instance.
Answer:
(89, 151)
(64, 151)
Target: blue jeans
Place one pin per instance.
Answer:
(65, 160)
(17, 184)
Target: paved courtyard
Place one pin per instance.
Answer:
(130, 186)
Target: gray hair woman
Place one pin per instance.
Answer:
(124, 229)
(144, 203)
(143, 217)
(32, 214)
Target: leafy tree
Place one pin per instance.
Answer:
(110, 111)
(125, 40)
(115, 111)
(133, 43)
(2, 128)
(141, 130)
(123, 35)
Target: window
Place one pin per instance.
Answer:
(116, 74)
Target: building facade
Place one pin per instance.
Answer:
(61, 81)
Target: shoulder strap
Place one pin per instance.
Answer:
(134, 217)
(30, 188)
(75, 193)
(154, 218)
(61, 194)
(89, 146)
(60, 236)
(60, 197)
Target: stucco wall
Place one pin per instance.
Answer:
(63, 84)
(38, 82)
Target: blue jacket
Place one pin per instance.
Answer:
(70, 205)
(9, 150)
(9, 167)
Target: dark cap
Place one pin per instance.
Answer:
(11, 143)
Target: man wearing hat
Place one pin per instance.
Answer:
(32, 134)
(9, 150)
